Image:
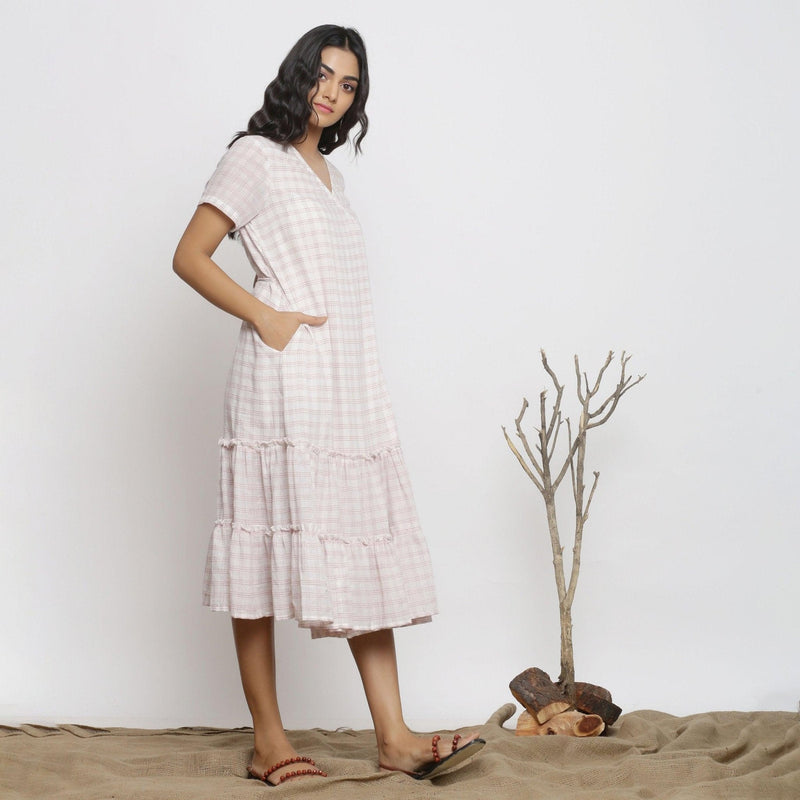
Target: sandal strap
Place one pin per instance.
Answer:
(435, 746)
(287, 761)
(297, 772)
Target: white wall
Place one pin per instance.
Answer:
(575, 176)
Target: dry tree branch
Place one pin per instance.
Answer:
(523, 464)
(609, 359)
(524, 438)
(570, 455)
(591, 495)
(540, 472)
(571, 461)
(555, 438)
(615, 397)
(542, 447)
(578, 380)
(559, 393)
(582, 515)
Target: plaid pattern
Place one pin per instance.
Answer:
(316, 518)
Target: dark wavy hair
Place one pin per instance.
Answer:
(287, 109)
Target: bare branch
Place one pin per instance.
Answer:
(570, 455)
(524, 438)
(609, 359)
(576, 568)
(615, 397)
(543, 416)
(555, 438)
(523, 464)
(581, 517)
(623, 385)
(572, 463)
(578, 376)
(591, 495)
(550, 371)
(522, 411)
(559, 392)
(624, 359)
(556, 414)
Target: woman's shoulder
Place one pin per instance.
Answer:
(255, 143)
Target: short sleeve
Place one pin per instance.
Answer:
(238, 186)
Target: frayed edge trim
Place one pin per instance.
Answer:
(323, 628)
(318, 531)
(320, 451)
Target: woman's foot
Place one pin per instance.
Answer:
(410, 753)
(263, 762)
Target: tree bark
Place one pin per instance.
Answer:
(567, 659)
(540, 696)
(591, 699)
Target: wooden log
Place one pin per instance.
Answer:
(527, 725)
(592, 699)
(585, 724)
(567, 723)
(579, 688)
(540, 696)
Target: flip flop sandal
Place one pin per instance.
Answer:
(286, 775)
(440, 765)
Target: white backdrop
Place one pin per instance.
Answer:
(575, 176)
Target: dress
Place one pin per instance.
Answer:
(315, 516)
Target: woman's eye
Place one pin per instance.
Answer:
(348, 87)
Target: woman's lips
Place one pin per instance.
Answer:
(324, 108)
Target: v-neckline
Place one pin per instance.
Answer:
(311, 169)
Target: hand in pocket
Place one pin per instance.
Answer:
(276, 328)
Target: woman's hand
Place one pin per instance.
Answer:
(276, 328)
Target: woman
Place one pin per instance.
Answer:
(316, 521)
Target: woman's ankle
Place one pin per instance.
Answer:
(275, 746)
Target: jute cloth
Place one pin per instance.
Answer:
(648, 754)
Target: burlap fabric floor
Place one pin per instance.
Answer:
(648, 754)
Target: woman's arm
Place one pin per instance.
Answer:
(192, 262)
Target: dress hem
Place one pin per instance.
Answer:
(318, 628)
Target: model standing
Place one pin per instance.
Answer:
(316, 520)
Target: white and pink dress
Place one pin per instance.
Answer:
(315, 516)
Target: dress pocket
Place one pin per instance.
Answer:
(260, 342)
(268, 292)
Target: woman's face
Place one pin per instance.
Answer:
(336, 87)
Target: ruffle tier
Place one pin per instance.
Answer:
(328, 539)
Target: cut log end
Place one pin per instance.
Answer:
(567, 723)
(551, 710)
(588, 725)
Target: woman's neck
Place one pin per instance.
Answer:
(308, 147)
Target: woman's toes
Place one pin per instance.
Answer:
(458, 741)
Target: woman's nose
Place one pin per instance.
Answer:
(330, 92)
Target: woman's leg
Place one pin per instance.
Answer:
(398, 747)
(255, 649)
